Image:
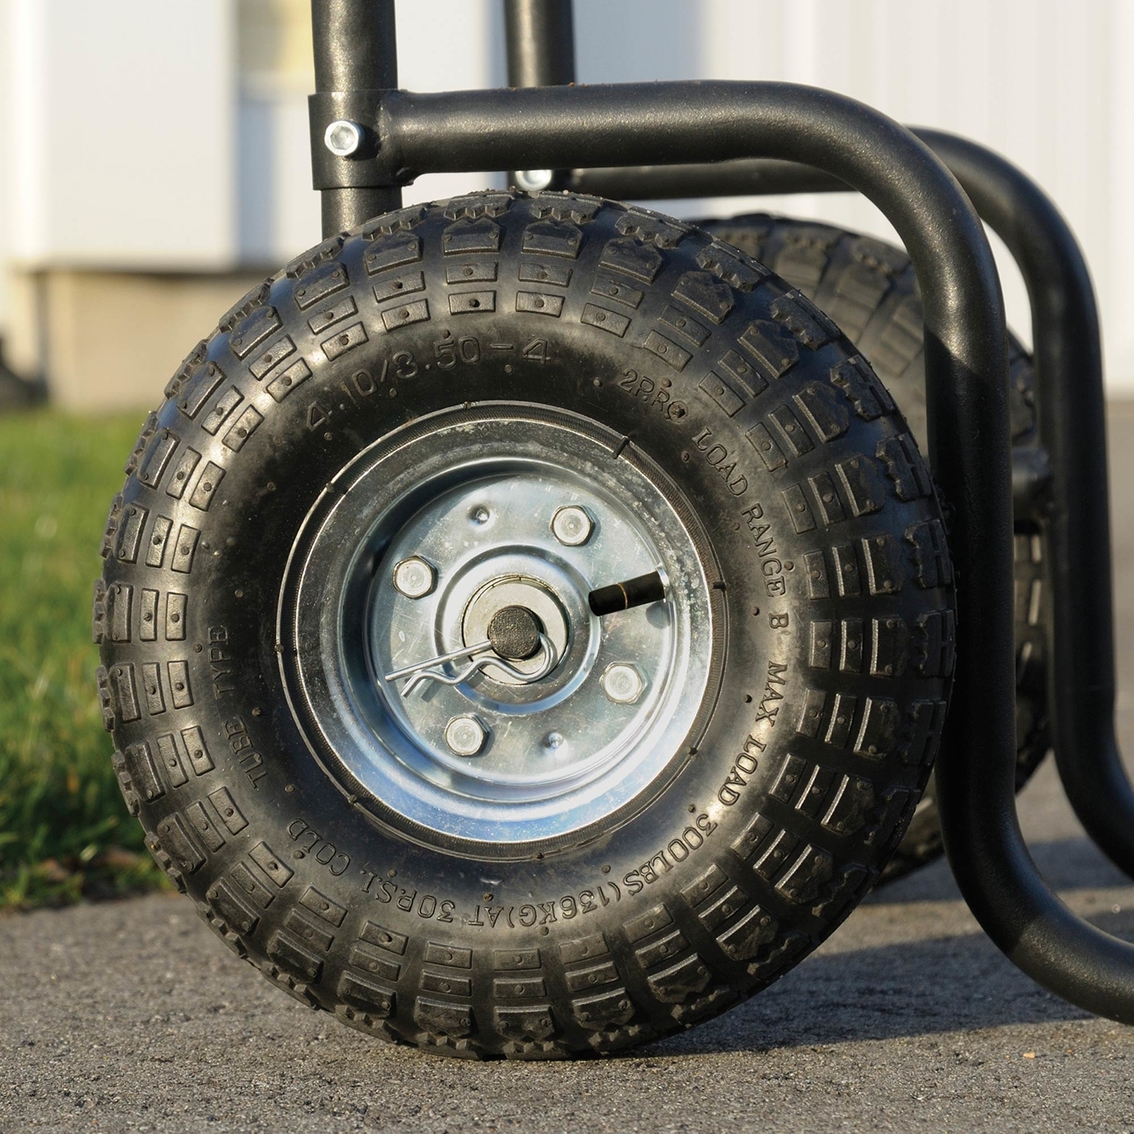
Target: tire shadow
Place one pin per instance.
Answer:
(936, 985)
(1067, 864)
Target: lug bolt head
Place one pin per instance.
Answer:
(465, 736)
(343, 138)
(622, 683)
(572, 525)
(414, 578)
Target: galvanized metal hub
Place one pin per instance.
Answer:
(487, 746)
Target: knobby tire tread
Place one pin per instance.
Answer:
(208, 756)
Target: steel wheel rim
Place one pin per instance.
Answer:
(560, 754)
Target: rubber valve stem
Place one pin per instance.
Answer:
(624, 595)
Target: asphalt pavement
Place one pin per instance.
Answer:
(132, 1016)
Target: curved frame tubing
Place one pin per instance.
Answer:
(1073, 506)
(996, 877)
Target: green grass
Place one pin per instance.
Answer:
(64, 830)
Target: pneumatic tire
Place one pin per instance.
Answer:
(646, 815)
(869, 287)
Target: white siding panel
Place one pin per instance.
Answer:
(278, 209)
(1114, 276)
(123, 119)
(129, 145)
(1047, 83)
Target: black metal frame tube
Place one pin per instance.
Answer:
(740, 177)
(986, 850)
(356, 59)
(1072, 421)
(540, 36)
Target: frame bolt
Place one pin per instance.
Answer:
(572, 525)
(465, 736)
(414, 578)
(532, 180)
(622, 683)
(344, 138)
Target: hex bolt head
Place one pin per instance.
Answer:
(465, 736)
(572, 525)
(622, 683)
(343, 138)
(532, 180)
(414, 578)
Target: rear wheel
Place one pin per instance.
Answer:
(526, 627)
(869, 288)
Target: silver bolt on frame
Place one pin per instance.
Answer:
(532, 180)
(622, 683)
(572, 525)
(343, 138)
(414, 578)
(465, 736)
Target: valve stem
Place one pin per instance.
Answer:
(624, 595)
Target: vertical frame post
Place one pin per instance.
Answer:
(356, 61)
(541, 53)
(541, 42)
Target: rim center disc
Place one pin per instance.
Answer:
(514, 633)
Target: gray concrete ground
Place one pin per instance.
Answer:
(131, 1016)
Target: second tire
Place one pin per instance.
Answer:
(869, 288)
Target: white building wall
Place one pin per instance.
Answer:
(132, 141)
(121, 126)
(1047, 83)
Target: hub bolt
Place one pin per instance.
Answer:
(622, 683)
(572, 525)
(414, 578)
(465, 736)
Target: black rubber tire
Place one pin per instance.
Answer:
(831, 591)
(869, 288)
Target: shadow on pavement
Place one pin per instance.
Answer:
(931, 985)
(1068, 864)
